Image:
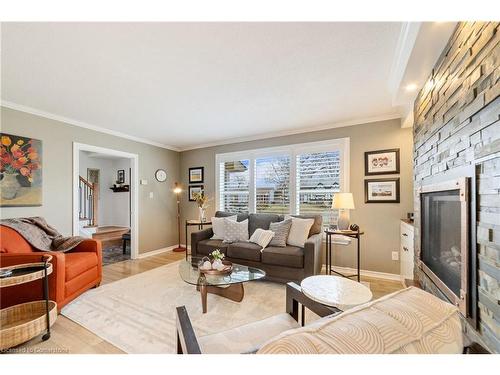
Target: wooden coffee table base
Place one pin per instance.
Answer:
(234, 292)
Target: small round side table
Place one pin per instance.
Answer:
(22, 322)
(337, 291)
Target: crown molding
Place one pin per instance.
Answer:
(81, 124)
(359, 121)
(406, 41)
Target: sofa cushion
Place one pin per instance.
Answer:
(205, 247)
(244, 250)
(241, 216)
(235, 231)
(407, 321)
(317, 225)
(289, 256)
(261, 221)
(78, 262)
(299, 231)
(219, 226)
(281, 230)
(262, 237)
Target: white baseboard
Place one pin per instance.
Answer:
(367, 273)
(160, 251)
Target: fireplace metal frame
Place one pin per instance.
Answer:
(463, 185)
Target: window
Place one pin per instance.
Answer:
(294, 179)
(234, 185)
(318, 178)
(272, 184)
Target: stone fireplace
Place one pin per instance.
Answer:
(444, 250)
(457, 135)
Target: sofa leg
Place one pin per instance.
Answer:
(96, 285)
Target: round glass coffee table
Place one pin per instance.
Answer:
(229, 285)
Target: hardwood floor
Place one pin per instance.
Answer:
(70, 337)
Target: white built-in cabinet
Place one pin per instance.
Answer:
(406, 252)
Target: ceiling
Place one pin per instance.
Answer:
(187, 85)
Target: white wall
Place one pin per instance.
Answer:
(114, 208)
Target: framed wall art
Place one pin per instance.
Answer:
(20, 171)
(120, 176)
(384, 190)
(382, 162)
(192, 190)
(196, 175)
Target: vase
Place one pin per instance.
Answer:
(201, 214)
(9, 186)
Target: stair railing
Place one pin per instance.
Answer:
(88, 201)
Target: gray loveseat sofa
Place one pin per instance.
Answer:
(282, 264)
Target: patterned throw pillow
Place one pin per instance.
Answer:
(262, 237)
(218, 226)
(235, 231)
(281, 230)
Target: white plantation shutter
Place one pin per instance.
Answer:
(293, 179)
(272, 184)
(318, 178)
(234, 181)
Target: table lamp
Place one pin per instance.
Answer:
(343, 202)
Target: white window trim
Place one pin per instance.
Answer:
(340, 144)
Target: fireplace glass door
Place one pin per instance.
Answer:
(441, 236)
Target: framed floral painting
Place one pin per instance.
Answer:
(20, 171)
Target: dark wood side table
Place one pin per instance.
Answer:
(348, 233)
(197, 223)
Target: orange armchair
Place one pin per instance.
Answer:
(73, 272)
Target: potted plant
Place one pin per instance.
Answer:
(202, 202)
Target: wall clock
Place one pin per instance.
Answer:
(161, 175)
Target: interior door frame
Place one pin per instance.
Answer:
(134, 189)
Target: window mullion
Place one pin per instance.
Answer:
(293, 184)
(252, 187)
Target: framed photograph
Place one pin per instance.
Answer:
(196, 175)
(20, 171)
(384, 190)
(382, 162)
(192, 190)
(120, 177)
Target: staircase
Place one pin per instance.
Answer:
(88, 193)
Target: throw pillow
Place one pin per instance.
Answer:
(262, 237)
(299, 231)
(281, 230)
(235, 231)
(218, 226)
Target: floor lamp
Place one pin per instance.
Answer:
(178, 191)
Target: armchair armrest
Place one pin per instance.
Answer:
(91, 246)
(186, 337)
(312, 255)
(196, 237)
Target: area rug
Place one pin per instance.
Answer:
(137, 314)
(114, 254)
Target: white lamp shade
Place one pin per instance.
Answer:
(343, 201)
